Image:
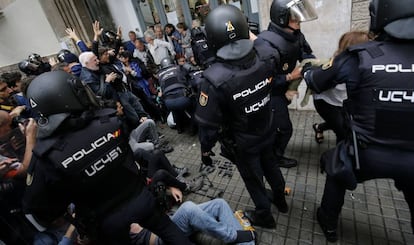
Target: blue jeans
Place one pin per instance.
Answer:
(214, 217)
(178, 107)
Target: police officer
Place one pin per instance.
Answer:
(235, 98)
(176, 92)
(34, 65)
(378, 76)
(284, 34)
(82, 156)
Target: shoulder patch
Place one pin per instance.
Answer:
(327, 65)
(29, 179)
(203, 99)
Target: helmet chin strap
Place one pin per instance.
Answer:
(295, 31)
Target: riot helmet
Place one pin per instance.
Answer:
(28, 68)
(228, 32)
(166, 62)
(282, 10)
(58, 92)
(35, 59)
(108, 37)
(61, 55)
(396, 18)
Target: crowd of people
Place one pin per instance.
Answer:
(82, 160)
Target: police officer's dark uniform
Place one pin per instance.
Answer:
(82, 156)
(176, 92)
(293, 47)
(378, 76)
(236, 96)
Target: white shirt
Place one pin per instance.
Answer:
(160, 50)
(334, 96)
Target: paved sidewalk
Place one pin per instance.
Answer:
(375, 213)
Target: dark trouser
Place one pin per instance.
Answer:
(376, 162)
(283, 124)
(178, 107)
(148, 104)
(154, 161)
(141, 210)
(168, 179)
(252, 168)
(132, 107)
(333, 117)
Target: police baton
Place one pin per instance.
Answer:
(355, 143)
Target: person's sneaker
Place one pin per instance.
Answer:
(163, 142)
(245, 236)
(264, 219)
(285, 162)
(181, 171)
(181, 179)
(195, 184)
(164, 148)
(328, 230)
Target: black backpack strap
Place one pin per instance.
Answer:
(43, 146)
(217, 74)
(271, 38)
(373, 48)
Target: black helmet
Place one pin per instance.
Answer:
(35, 59)
(61, 55)
(166, 62)
(282, 10)
(395, 17)
(108, 37)
(58, 92)
(224, 25)
(28, 67)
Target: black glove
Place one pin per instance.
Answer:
(306, 67)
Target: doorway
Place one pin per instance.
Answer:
(152, 12)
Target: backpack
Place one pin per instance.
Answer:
(201, 51)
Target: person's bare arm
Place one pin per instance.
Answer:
(177, 194)
(97, 31)
(30, 131)
(72, 34)
(252, 36)
(17, 111)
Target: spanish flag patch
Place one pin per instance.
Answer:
(203, 99)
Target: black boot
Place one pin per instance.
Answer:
(285, 162)
(260, 218)
(279, 201)
(328, 225)
(245, 236)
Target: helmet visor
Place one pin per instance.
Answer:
(302, 10)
